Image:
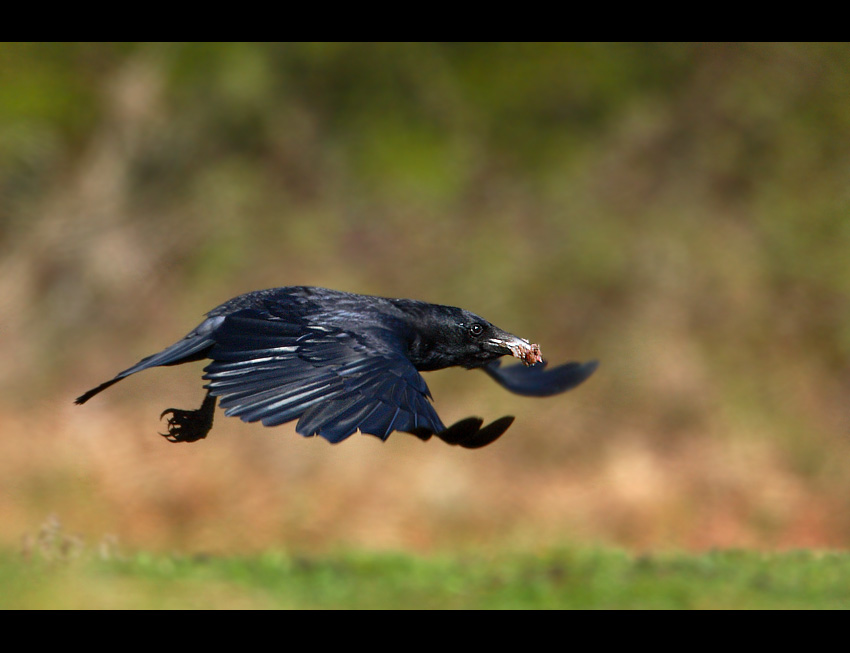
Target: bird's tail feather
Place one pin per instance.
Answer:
(193, 347)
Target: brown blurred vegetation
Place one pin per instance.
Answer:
(677, 211)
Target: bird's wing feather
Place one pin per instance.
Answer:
(333, 381)
(536, 380)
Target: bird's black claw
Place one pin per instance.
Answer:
(423, 434)
(468, 433)
(461, 430)
(190, 425)
(488, 434)
(185, 425)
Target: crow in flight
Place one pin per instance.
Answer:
(340, 362)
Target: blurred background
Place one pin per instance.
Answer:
(677, 211)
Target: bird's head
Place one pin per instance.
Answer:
(457, 337)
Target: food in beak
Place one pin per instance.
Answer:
(527, 352)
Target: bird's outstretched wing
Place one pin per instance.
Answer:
(333, 381)
(536, 380)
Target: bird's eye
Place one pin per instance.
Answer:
(476, 330)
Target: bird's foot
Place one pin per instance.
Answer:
(468, 433)
(189, 425)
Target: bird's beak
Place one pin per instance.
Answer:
(520, 347)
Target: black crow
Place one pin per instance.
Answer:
(340, 362)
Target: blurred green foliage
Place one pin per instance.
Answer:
(582, 151)
(584, 579)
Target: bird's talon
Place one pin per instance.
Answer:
(187, 425)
